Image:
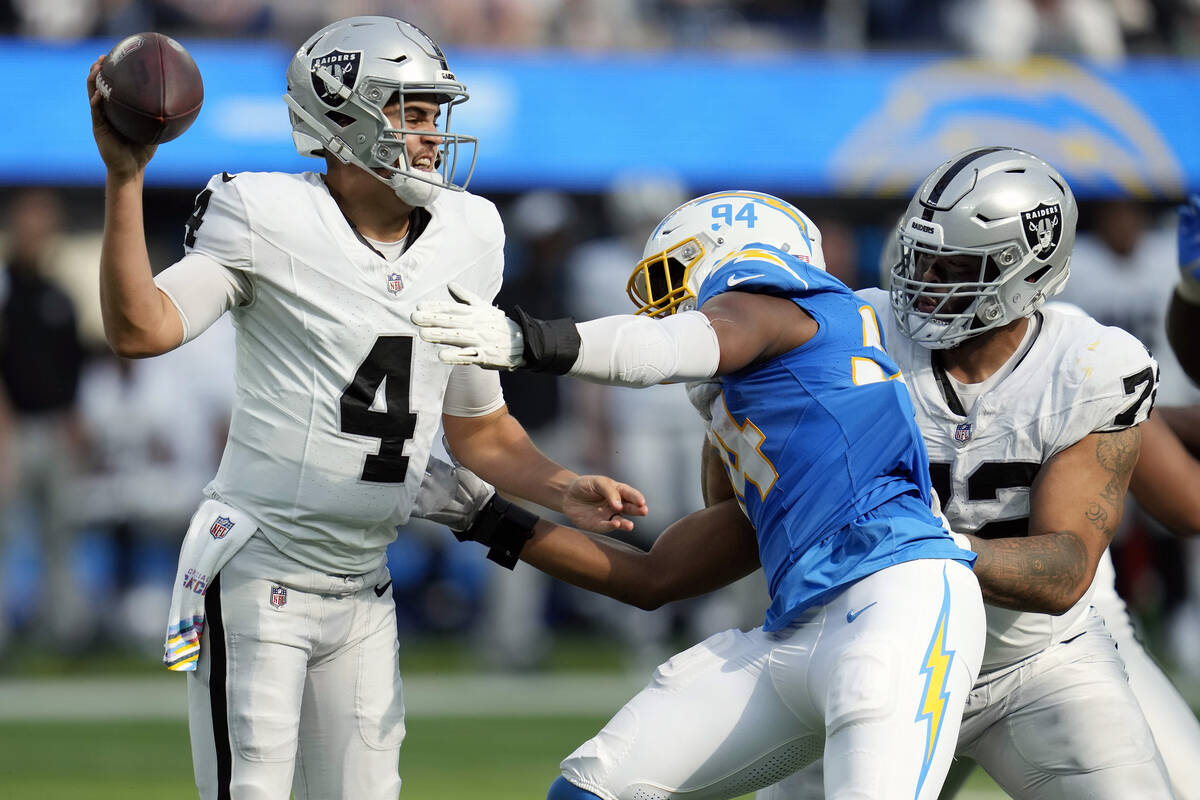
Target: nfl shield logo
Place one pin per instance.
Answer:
(395, 282)
(278, 596)
(221, 527)
(963, 432)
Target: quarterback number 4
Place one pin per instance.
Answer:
(389, 363)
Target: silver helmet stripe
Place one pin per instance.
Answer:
(949, 175)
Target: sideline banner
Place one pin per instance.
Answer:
(857, 124)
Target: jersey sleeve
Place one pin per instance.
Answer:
(219, 226)
(472, 392)
(762, 269)
(484, 274)
(1111, 387)
(201, 291)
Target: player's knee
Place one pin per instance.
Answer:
(563, 789)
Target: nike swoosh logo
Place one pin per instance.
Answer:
(379, 590)
(853, 615)
(734, 280)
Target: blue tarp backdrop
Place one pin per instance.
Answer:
(868, 125)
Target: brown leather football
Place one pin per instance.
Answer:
(151, 88)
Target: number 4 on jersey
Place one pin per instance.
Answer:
(390, 361)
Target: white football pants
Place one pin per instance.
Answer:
(1060, 725)
(877, 678)
(298, 685)
(1173, 723)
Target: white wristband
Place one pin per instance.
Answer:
(962, 541)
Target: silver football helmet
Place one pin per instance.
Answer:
(341, 79)
(701, 234)
(984, 241)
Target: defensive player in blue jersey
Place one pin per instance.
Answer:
(875, 629)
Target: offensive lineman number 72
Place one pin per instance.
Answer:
(390, 359)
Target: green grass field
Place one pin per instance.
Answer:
(446, 759)
(74, 733)
(461, 758)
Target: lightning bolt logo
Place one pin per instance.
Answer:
(936, 671)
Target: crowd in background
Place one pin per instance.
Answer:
(1104, 30)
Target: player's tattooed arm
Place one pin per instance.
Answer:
(1076, 504)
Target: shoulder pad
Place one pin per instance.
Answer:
(1111, 377)
(763, 269)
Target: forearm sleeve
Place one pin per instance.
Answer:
(629, 350)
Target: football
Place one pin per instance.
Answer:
(151, 88)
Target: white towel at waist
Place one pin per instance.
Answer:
(216, 532)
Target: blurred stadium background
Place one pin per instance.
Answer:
(595, 117)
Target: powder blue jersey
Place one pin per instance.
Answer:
(821, 443)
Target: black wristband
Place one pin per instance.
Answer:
(551, 345)
(503, 527)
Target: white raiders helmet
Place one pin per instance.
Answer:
(701, 234)
(1006, 208)
(338, 84)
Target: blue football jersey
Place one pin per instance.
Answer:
(821, 443)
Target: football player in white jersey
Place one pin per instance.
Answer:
(294, 684)
(1183, 315)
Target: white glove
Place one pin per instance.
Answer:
(479, 333)
(451, 496)
(702, 394)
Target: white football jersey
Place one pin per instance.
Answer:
(1078, 377)
(338, 398)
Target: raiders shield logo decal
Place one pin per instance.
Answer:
(1043, 229)
(343, 66)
